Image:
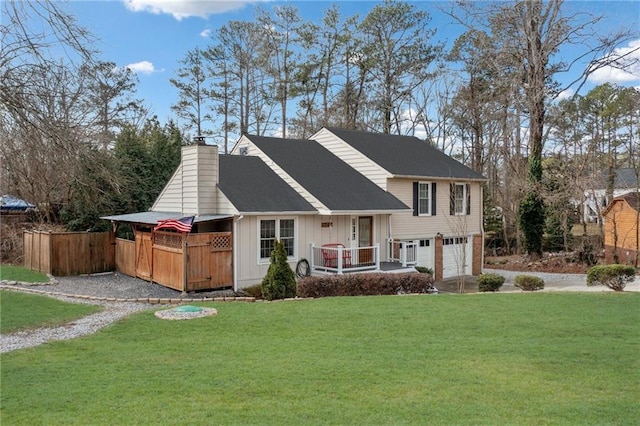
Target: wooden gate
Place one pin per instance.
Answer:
(144, 256)
(185, 262)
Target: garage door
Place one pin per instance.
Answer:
(425, 253)
(457, 256)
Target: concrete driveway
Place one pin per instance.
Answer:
(558, 282)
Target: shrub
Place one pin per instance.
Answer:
(254, 291)
(529, 282)
(280, 281)
(490, 282)
(613, 276)
(365, 285)
(424, 270)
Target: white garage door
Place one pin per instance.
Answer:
(425, 253)
(457, 256)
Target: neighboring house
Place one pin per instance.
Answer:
(621, 229)
(416, 207)
(595, 199)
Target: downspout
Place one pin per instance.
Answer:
(235, 252)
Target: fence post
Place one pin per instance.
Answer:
(376, 251)
(184, 263)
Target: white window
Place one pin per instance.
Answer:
(460, 198)
(424, 198)
(276, 229)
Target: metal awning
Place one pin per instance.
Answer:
(152, 218)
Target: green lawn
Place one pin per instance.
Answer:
(19, 273)
(494, 359)
(19, 311)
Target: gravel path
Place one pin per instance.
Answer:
(120, 295)
(87, 325)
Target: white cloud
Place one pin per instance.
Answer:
(142, 67)
(205, 33)
(627, 69)
(565, 94)
(181, 9)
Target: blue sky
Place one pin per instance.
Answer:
(152, 36)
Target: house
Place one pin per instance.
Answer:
(335, 203)
(445, 222)
(622, 228)
(595, 199)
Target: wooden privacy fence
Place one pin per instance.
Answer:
(69, 253)
(184, 262)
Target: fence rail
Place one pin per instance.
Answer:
(404, 252)
(69, 253)
(339, 259)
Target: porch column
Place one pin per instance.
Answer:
(376, 252)
(438, 258)
(478, 247)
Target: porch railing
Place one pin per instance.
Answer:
(339, 259)
(404, 252)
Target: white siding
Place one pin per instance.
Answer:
(192, 188)
(199, 179)
(353, 157)
(224, 205)
(309, 230)
(405, 226)
(170, 199)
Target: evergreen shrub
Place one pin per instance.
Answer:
(490, 282)
(613, 276)
(529, 282)
(280, 281)
(424, 270)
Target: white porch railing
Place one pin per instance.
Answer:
(339, 259)
(405, 252)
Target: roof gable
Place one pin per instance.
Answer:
(405, 155)
(251, 186)
(326, 177)
(631, 198)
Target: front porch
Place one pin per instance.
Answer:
(335, 258)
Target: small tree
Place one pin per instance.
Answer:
(613, 276)
(280, 281)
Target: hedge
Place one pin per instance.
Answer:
(365, 285)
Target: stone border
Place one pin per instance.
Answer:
(172, 314)
(11, 285)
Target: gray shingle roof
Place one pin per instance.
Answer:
(334, 183)
(252, 186)
(405, 155)
(626, 178)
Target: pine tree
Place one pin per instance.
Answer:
(280, 281)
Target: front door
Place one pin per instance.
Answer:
(365, 239)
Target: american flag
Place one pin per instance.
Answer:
(183, 224)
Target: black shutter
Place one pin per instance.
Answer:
(452, 199)
(468, 198)
(433, 198)
(415, 198)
